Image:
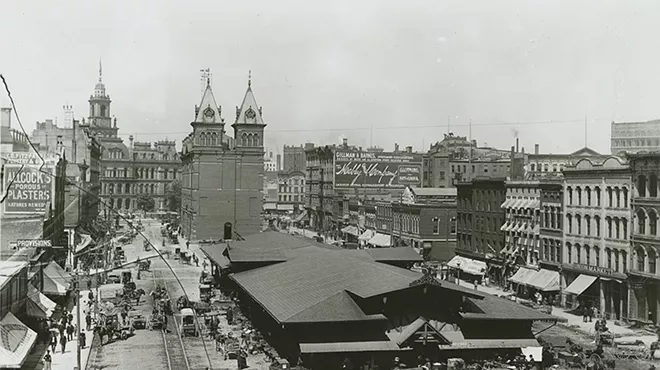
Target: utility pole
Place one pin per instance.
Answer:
(77, 291)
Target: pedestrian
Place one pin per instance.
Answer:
(196, 261)
(187, 244)
(88, 321)
(585, 313)
(69, 332)
(204, 265)
(165, 323)
(83, 339)
(90, 295)
(61, 328)
(591, 313)
(63, 343)
(47, 360)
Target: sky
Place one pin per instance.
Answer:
(376, 72)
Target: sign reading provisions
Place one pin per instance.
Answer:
(33, 243)
(29, 190)
(386, 170)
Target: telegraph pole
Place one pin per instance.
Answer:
(77, 291)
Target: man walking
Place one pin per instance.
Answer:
(69, 332)
(83, 339)
(88, 321)
(63, 342)
(53, 342)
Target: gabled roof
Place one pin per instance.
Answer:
(270, 246)
(585, 152)
(496, 308)
(249, 111)
(208, 101)
(338, 307)
(288, 289)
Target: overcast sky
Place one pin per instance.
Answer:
(322, 70)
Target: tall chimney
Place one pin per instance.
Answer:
(517, 147)
(536, 149)
(344, 142)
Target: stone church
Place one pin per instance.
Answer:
(222, 175)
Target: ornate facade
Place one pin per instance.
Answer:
(644, 274)
(141, 170)
(635, 137)
(596, 240)
(222, 176)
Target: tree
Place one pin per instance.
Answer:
(146, 203)
(173, 195)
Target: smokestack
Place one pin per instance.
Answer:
(409, 149)
(345, 142)
(517, 142)
(536, 149)
(523, 151)
(512, 151)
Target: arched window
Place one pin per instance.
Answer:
(597, 190)
(653, 222)
(569, 223)
(103, 108)
(587, 255)
(617, 191)
(639, 251)
(608, 219)
(608, 255)
(128, 203)
(532, 167)
(569, 194)
(578, 253)
(119, 203)
(609, 196)
(625, 197)
(597, 256)
(616, 260)
(624, 227)
(244, 139)
(653, 186)
(641, 185)
(587, 225)
(569, 252)
(587, 193)
(127, 188)
(617, 228)
(578, 192)
(641, 222)
(214, 139)
(597, 225)
(624, 261)
(652, 260)
(546, 168)
(578, 224)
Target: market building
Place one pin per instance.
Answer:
(597, 221)
(351, 309)
(222, 176)
(643, 274)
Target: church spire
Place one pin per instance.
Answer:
(249, 79)
(100, 71)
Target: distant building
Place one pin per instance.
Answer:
(293, 158)
(11, 140)
(635, 137)
(270, 165)
(291, 191)
(547, 162)
(222, 179)
(141, 170)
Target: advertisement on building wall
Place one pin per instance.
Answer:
(384, 170)
(27, 190)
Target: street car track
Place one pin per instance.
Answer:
(174, 349)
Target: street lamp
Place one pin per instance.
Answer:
(458, 279)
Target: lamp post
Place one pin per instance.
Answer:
(458, 278)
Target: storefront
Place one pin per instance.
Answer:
(590, 286)
(644, 296)
(467, 268)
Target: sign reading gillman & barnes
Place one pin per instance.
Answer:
(385, 170)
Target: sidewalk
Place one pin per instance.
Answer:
(69, 359)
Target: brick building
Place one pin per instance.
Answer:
(552, 216)
(644, 274)
(597, 219)
(480, 218)
(635, 137)
(291, 191)
(319, 194)
(222, 177)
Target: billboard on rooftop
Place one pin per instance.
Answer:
(377, 170)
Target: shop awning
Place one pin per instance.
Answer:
(86, 240)
(381, 240)
(545, 280)
(579, 285)
(524, 276)
(507, 203)
(300, 217)
(505, 226)
(468, 265)
(16, 341)
(39, 305)
(518, 203)
(351, 230)
(343, 347)
(56, 280)
(366, 235)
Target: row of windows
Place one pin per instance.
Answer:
(647, 188)
(616, 197)
(617, 228)
(118, 204)
(289, 198)
(644, 218)
(552, 218)
(128, 189)
(614, 259)
(635, 143)
(141, 173)
(546, 167)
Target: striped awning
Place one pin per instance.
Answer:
(16, 342)
(39, 305)
(507, 203)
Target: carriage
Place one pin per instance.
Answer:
(110, 325)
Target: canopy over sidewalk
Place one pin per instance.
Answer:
(16, 341)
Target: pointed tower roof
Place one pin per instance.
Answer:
(249, 111)
(208, 110)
